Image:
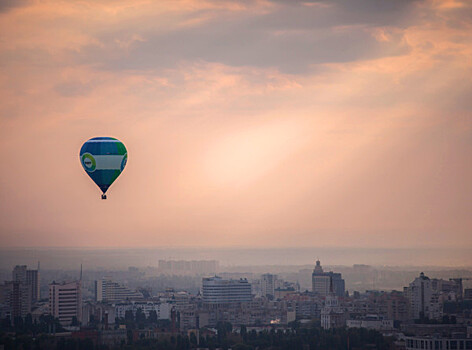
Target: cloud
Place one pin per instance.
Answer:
(254, 121)
(7, 5)
(289, 37)
(74, 88)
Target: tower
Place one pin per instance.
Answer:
(321, 281)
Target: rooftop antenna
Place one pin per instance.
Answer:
(80, 272)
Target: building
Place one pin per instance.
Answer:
(32, 280)
(16, 299)
(216, 290)
(268, 282)
(321, 281)
(307, 306)
(18, 295)
(97, 313)
(371, 322)
(332, 316)
(192, 267)
(423, 298)
(28, 278)
(449, 290)
(397, 306)
(260, 311)
(65, 301)
(163, 310)
(19, 274)
(437, 343)
(281, 293)
(108, 291)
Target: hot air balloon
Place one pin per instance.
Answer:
(103, 159)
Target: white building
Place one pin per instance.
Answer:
(437, 343)
(216, 290)
(163, 310)
(424, 299)
(109, 291)
(320, 281)
(268, 282)
(371, 322)
(332, 316)
(65, 301)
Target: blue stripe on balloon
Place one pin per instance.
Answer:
(100, 148)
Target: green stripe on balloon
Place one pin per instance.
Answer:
(121, 148)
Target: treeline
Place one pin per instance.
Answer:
(26, 325)
(313, 338)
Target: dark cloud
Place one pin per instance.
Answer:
(337, 12)
(7, 5)
(291, 38)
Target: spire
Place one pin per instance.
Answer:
(318, 269)
(80, 272)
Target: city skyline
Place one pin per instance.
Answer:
(265, 124)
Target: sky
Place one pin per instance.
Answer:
(247, 123)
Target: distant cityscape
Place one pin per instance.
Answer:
(111, 309)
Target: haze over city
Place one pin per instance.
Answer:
(235, 174)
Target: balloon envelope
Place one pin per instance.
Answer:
(103, 159)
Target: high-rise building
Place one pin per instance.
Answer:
(424, 299)
(19, 274)
(220, 291)
(268, 284)
(65, 301)
(16, 298)
(321, 281)
(109, 291)
(28, 278)
(32, 280)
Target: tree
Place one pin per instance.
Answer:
(243, 333)
(152, 317)
(193, 339)
(140, 318)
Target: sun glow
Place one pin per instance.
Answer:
(246, 155)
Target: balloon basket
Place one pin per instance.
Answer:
(104, 196)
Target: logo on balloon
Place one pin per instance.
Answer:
(88, 162)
